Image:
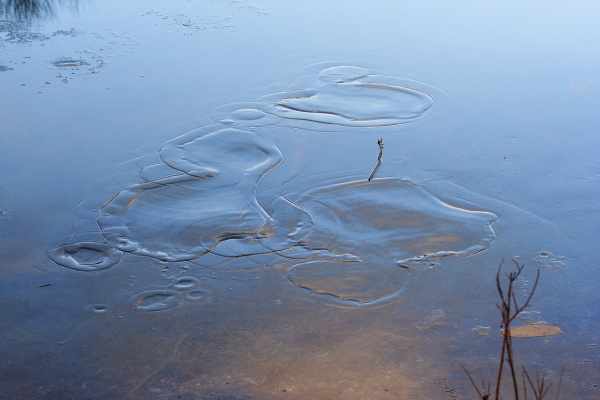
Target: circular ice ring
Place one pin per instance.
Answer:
(199, 295)
(65, 255)
(156, 300)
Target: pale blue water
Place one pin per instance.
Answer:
(186, 212)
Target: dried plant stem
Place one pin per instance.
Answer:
(509, 310)
(380, 143)
(508, 300)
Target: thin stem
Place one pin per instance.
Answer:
(481, 396)
(380, 143)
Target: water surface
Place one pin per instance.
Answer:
(186, 210)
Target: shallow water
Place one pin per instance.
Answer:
(187, 210)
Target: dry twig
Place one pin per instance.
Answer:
(509, 310)
(380, 143)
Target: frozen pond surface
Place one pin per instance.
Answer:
(187, 212)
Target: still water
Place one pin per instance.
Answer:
(254, 200)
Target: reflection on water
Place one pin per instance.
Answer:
(250, 256)
(226, 214)
(30, 10)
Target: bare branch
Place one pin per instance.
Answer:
(509, 309)
(380, 143)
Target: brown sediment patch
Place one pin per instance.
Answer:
(537, 330)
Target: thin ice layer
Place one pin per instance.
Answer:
(207, 203)
(351, 96)
(384, 223)
(397, 218)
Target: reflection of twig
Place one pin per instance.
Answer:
(508, 315)
(509, 310)
(380, 143)
(29, 10)
(540, 388)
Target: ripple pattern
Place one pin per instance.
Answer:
(85, 256)
(184, 289)
(399, 218)
(205, 203)
(218, 197)
(351, 96)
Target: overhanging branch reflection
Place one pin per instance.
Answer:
(29, 10)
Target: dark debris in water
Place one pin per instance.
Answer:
(69, 63)
(16, 32)
(69, 32)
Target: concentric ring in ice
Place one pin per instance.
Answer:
(385, 223)
(348, 283)
(203, 201)
(394, 217)
(165, 299)
(199, 295)
(210, 195)
(156, 300)
(85, 256)
(208, 203)
(245, 115)
(186, 283)
(350, 96)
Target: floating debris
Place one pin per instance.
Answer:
(69, 63)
